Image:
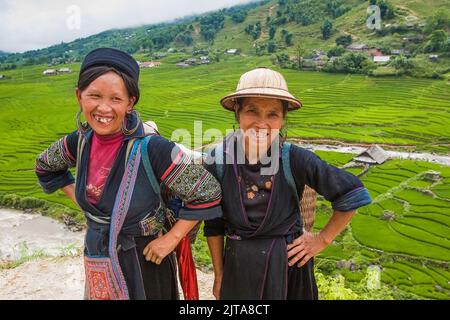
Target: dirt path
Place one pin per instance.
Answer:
(61, 279)
(58, 271)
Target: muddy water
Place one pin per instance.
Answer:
(423, 156)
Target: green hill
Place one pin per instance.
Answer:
(404, 231)
(286, 30)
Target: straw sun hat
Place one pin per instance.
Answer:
(262, 83)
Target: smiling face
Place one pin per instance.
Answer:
(105, 103)
(261, 119)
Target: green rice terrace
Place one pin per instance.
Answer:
(406, 229)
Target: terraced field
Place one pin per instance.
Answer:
(412, 247)
(405, 230)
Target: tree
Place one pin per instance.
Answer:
(344, 40)
(271, 46)
(184, 38)
(259, 49)
(299, 56)
(326, 28)
(387, 10)
(289, 39)
(272, 31)
(437, 41)
(440, 20)
(147, 43)
(351, 63)
(336, 51)
(211, 24)
(282, 60)
(239, 16)
(402, 63)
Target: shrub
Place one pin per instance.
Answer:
(344, 40)
(336, 51)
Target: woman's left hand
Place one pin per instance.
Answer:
(305, 247)
(159, 248)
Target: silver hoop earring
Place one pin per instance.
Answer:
(124, 126)
(82, 127)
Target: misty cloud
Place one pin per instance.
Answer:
(30, 24)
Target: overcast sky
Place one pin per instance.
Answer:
(35, 24)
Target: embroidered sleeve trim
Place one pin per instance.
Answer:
(55, 158)
(193, 183)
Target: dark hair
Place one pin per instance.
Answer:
(88, 76)
(240, 102)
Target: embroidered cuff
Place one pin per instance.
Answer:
(201, 214)
(57, 182)
(354, 199)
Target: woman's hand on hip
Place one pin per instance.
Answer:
(305, 247)
(159, 248)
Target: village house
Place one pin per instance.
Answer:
(204, 60)
(397, 52)
(375, 53)
(433, 57)
(373, 155)
(50, 72)
(149, 64)
(318, 54)
(357, 47)
(381, 59)
(65, 70)
(308, 64)
(191, 61)
(232, 51)
(2, 77)
(183, 65)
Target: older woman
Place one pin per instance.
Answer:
(130, 238)
(268, 254)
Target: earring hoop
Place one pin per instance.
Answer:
(82, 127)
(125, 130)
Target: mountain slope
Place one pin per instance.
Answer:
(272, 27)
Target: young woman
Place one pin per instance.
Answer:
(128, 245)
(267, 254)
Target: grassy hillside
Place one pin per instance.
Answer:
(409, 26)
(412, 249)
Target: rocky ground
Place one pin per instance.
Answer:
(53, 267)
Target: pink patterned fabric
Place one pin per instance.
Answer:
(104, 150)
(100, 281)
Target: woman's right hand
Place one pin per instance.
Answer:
(217, 285)
(70, 192)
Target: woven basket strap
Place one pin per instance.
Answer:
(148, 167)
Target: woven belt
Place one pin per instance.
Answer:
(100, 220)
